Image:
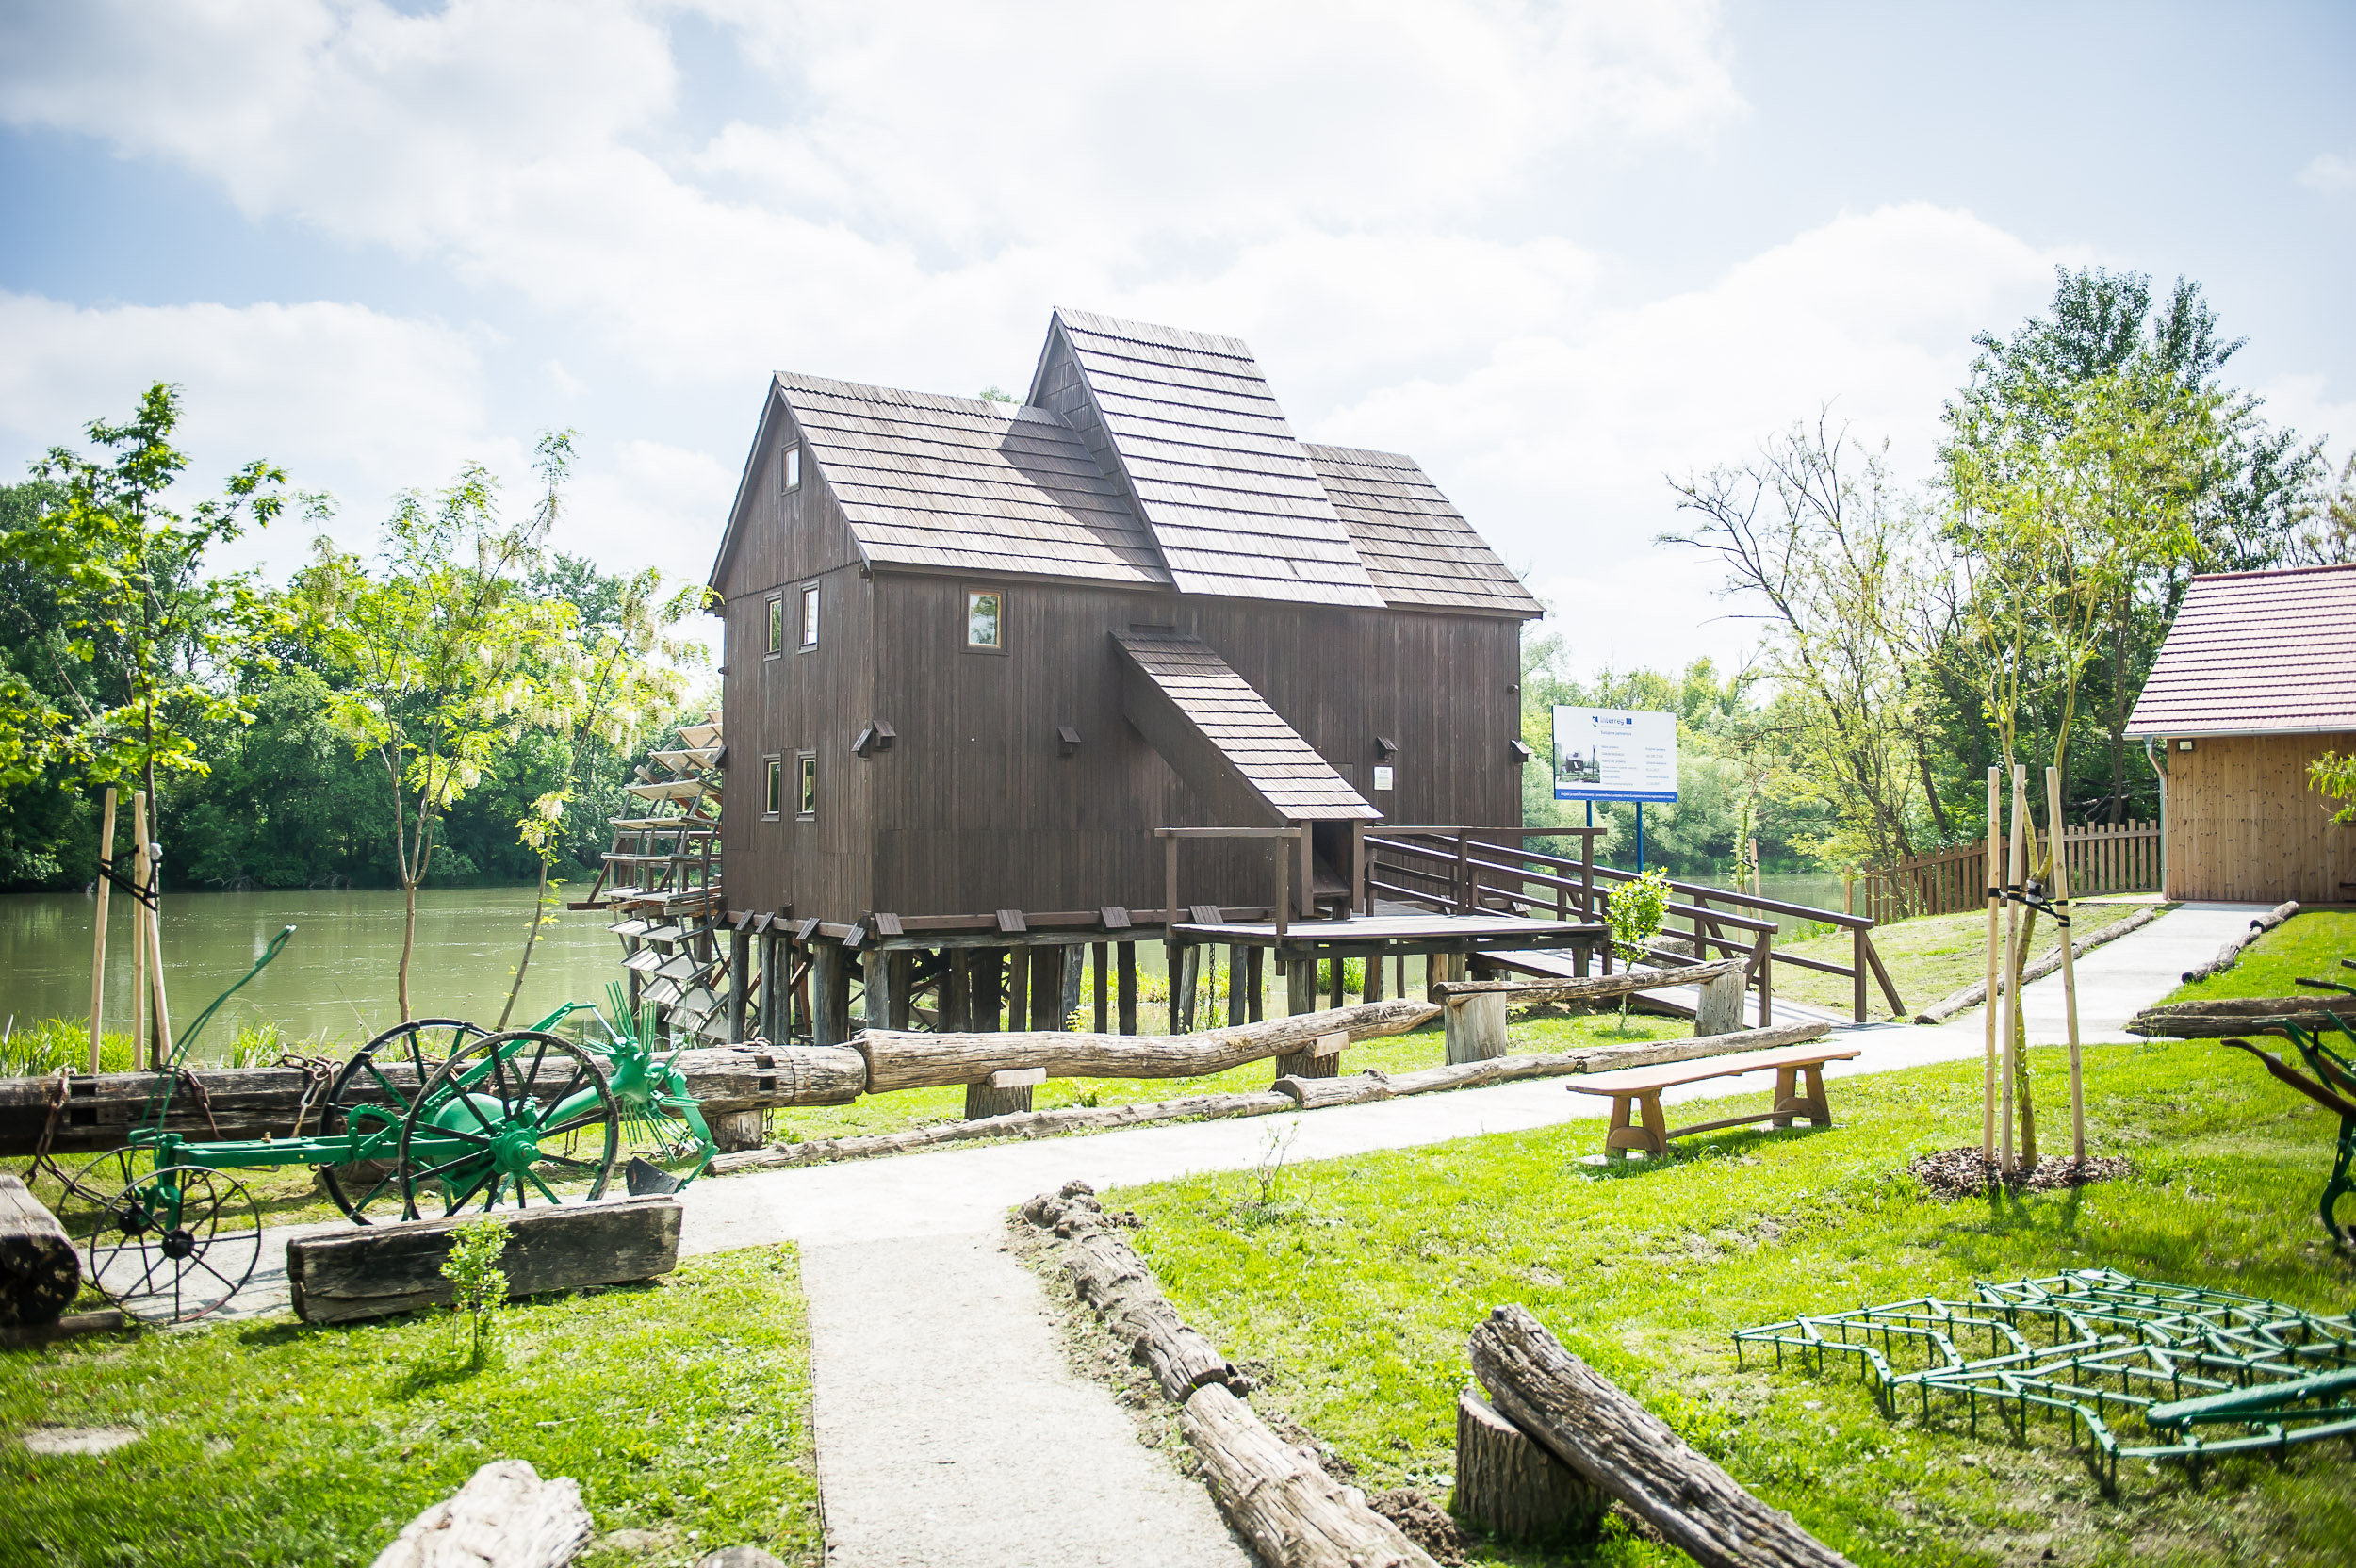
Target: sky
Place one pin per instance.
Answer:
(1559, 254)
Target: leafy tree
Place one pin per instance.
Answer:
(445, 658)
(139, 638)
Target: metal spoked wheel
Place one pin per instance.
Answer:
(373, 1095)
(176, 1244)
(515, 1119)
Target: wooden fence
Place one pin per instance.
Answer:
(2102, 858)
(1475, 870)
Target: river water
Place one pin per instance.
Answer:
(334, 982)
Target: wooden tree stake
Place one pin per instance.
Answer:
(1995, 908)
(98, 947)
(2008, 1050)
(2060, 840)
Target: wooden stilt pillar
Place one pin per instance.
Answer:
(1100, 956)
(1300, 996)
(1067, 992)
(1047, 967)
(1127, 963)
(1333, 981)
(1018, 988)
(830, 994)
(989, 993)
(875, 968)
(1374, 979)
(956, 993)
(1236, 999)
(1255, 984)
(901, 972)
(740, 983)
(1185, 971)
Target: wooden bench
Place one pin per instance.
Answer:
(1799, 1091)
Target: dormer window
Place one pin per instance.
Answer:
(790, 467)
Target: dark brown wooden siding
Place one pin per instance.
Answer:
(815, 700)
(974, 808)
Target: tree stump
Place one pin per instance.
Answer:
(1719, 1011)
(1512, 1487)
(40, 1272)
(732, 1131)
(981, 1101)
(1476, 1026)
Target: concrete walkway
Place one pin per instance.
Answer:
(949, 1427)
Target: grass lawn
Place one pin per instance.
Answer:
(1927, 956)
(1352, 1294)
(2311, 944)
(681, 1407)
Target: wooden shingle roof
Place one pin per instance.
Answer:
(1265, 754)
(1417, 547)
(2256, 653)
(1228, 493)
(967, 483)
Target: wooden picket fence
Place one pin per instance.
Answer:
(2103, 858)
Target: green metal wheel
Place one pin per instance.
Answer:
(513, 1119)
(175, 1244)
(372, 1096)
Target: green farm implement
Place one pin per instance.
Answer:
(433, 1117)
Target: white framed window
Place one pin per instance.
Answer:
(776, 626)
(805, 787)
(790, 467)
(809, 615)
(984, 619)
(773, 799)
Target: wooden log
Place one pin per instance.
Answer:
(2219, 1017)
(247, 1102)
(1620, 1447)
(2231, 952)
(1314, 1094)
(1034, 1124)
(373, 1271)
(907, 1061)
(1973, 994)
(1108, 1274)
(505, 1516)
(39, 1271)
(1502, 1069)
(1281, 1500)
(1476, 1026)
(1512, 1487)
(1530, 992)
(73, 1325)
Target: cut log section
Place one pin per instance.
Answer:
(1512, 1487)
(1314, 1094)
(1281, 1500)
(39, 1271)
(505, 1516)
(1108, 1274)
(341, 1274)
(1591, 989)
(2228, 955)
(1973, 994)
(915, 1061)
(1620, 1447)
(2221, 1016)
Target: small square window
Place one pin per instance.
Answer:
(984, 619)
(790, 468)
(776, 626)
(807, 803)
(809, 616)
(773, 799)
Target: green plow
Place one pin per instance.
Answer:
(2141, 1368)
(433, 1117)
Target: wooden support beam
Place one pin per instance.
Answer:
(899, 975)
(1236, 999)
(956, 992)
(1100, 968)
(990, 989)
(1018, 988)
(831, 994)
(1128, 961)
(903, 1061)
(1254, 984)
(740, 982)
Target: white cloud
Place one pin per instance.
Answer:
(2329, 172)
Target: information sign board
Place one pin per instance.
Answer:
(1614, 753)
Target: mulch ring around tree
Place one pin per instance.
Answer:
(1953, 1173)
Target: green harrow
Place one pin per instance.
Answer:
(433, 1117)
(2201, 1373)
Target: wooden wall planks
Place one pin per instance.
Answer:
(2243, 825)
